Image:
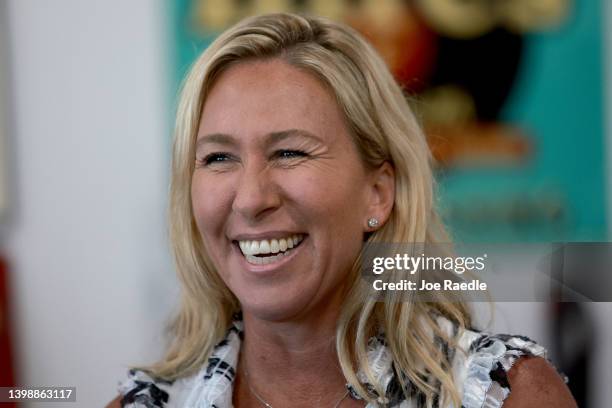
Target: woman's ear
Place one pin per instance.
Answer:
(382, 196)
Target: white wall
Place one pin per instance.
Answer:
(87, 246)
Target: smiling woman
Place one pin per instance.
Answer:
(286, 167)
(294, 150)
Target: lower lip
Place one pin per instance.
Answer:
(271, 267)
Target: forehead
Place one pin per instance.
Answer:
(257, 97)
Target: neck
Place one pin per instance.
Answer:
(292, 362)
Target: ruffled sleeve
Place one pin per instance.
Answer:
(211, 386)
(486, 366)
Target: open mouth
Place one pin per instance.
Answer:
(266, 251)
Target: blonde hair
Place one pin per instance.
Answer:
(385, 130)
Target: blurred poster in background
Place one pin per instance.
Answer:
(509, 92)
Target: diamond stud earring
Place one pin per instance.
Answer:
(372, 223)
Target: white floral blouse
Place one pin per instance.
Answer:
(481, 372)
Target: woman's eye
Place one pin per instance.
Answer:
(289, 154)
(214, 158)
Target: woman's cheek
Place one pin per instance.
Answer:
(313, 184)
(206, 201)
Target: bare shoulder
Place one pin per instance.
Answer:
(116, 403)
(535, 383)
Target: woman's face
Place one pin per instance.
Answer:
(279, 192)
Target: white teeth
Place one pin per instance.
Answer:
(264, 247)
(273, 246)
(259, 260)
(282, 244)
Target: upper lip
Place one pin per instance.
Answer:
(264, 235)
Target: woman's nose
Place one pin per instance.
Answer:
(256, 194)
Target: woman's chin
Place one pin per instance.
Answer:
(280, 308)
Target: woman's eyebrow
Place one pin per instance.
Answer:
(271, 138)
(281, 135)
(218, 138)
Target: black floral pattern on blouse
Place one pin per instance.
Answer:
(147, 394)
